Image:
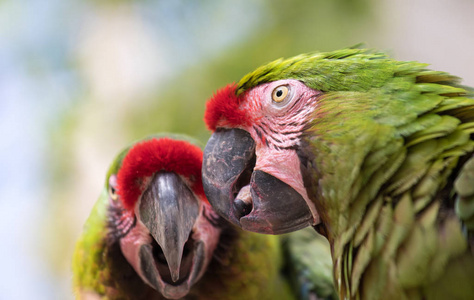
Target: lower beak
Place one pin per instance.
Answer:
(251, 199)
(169, 209)
(277, 208)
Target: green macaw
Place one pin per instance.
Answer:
(375, 154)
(153, 235)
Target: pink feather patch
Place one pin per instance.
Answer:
(148, 157)
(223, 109)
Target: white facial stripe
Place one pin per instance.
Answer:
(278, 126)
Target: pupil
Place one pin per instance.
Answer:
(279, 93)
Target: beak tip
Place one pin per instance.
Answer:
(174, 262)
(175, 276)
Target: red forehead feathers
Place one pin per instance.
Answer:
(151, 156)
(223, 109)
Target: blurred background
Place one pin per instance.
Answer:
(79, 80)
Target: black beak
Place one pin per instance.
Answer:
(253, 200)
(169, 210)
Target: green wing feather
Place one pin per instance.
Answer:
(465, 196)
(309, 263)
(88, 261)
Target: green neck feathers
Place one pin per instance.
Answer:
(381, 154)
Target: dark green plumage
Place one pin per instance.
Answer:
(387, 143)
(308, 262)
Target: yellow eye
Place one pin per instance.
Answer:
(279, 93)
(113, 192)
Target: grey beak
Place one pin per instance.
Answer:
(270, 206)
(169, 210)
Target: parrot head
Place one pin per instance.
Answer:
(159, 214)
(257, 134)
(255, 167)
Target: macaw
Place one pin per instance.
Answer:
(153, 235)
(376, 154)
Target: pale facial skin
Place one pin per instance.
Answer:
(277, 114)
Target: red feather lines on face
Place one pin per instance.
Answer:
(151, 156)
(223, 109)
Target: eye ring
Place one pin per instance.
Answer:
(280, 93)
(113, 193)
(112, 190)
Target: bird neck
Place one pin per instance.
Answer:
(368, 175)
(232, 261)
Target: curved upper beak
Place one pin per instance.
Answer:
(169, 209)
(252, 199)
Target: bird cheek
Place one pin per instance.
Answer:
(282, 164)
(131, 243)
(206, 232)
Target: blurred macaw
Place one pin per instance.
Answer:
(153, 235)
